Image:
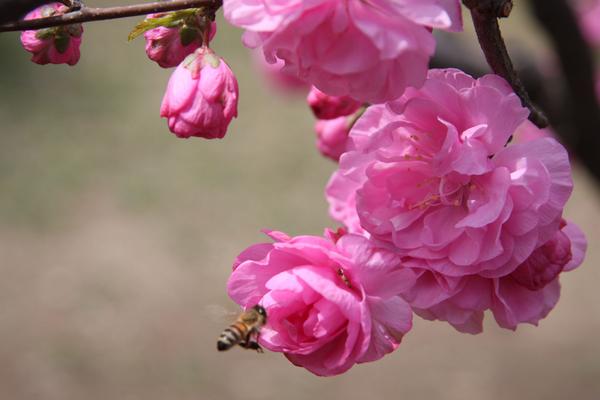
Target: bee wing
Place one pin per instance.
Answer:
(219, 313)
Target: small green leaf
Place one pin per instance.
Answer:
(172, 19)
(169, 21)
(188, 34)
(62, 43)
(46, 33)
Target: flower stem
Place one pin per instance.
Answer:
(485, 14)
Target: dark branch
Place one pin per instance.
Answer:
(485, 14)
(98, 14)
(577, 64)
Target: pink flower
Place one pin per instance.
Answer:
(432, 179)
(370, 51)
(59, 45)
(201, 97)
(329, 304)
(332, 135)
(169, 46)
(330, 107)
(526, 295)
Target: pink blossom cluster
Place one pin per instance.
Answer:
(430, 176)
(202, 94)
(451, 200)
(442, 217)
(369, 50)
(59, 45)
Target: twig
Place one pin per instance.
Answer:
(86, 14)
(577, 64)
(485, 14)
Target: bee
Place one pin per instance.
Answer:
(244, 331)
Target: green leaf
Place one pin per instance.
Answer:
(169, 21)
(188, 34)
(46, 33)
(61, 43)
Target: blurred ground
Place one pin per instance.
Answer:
(116, 241)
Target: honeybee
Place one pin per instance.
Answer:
(244, 331)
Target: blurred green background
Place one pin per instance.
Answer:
(116, 241)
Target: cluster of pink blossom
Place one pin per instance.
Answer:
(202, 95)
(451, 200)
(441, 213)
(431, 177)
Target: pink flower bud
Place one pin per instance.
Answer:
(332, 136)
(325, 106)
(58, 45)
(201, 97)
(169, 46)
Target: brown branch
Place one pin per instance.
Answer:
(485, 14)
(580, 102)
(98, 14)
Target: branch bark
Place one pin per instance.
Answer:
(86, 14)
(485, 14)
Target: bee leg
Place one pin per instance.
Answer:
(251, 343)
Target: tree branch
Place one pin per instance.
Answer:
(577, 64)
(98, 14)
(485, 14)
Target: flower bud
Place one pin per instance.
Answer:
(168, 46)
(332, 136)
(57, 45)
(201, 97)
(325, 106)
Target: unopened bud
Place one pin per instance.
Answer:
(201, 97)
(58, 45)
(170, 45)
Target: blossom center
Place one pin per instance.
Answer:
(445, 191)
